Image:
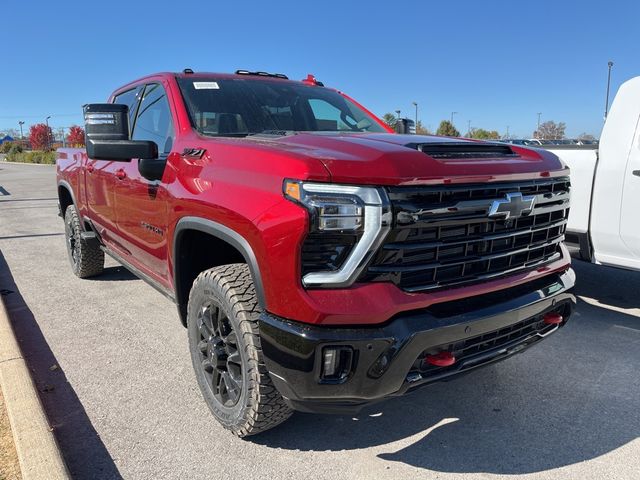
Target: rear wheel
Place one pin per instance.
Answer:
(87, 259)
(225, 350)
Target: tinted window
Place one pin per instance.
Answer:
(154, 119)
(130, 99)
(240, 107)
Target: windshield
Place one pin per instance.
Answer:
(241, 107)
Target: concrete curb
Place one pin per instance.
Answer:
(38, 452)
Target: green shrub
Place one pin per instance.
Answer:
(15, 148)
(5, 147)
(36, 156)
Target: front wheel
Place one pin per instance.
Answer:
(225, 349)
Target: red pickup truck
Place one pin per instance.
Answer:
(319, 261)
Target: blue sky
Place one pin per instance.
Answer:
(497, 63)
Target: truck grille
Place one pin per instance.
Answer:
(445, 236)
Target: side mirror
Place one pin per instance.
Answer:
(406, 125)
(107, 134)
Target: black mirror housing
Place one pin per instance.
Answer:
(106, 121)
(107, 134)
(405, 125)
(121, 150)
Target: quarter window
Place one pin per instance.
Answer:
(130, 99)
(154, 119)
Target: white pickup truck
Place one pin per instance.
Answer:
(605, 186)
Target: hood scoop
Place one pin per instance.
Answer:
(463, 150)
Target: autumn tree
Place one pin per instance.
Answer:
(483, 134)
(76, 136)
(446, 129)
(550, 130)
(40, 136)
(421, 129)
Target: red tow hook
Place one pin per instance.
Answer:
(441, 359)
(552, 318)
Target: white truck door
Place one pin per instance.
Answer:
(630, 210)
(615, 225)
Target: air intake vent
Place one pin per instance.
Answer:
(464, 150)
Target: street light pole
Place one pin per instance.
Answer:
(538, 128)
(21, 136)
(469, 128)
(452, 114)
(46, 120)
(415, 104)
(606, 107)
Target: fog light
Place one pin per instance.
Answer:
(336, 364)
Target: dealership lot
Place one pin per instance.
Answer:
(124, 403)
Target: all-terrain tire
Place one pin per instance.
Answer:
(225, 296)
(87, 259)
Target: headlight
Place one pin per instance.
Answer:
(348, 224)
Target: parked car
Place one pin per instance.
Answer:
(319, 261)
(605, 186)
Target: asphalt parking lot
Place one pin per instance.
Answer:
(123, 400)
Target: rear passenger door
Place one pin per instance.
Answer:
(142, 204)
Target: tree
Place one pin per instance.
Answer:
(40, 136)
(76, 136)
(550, 130)
(446, 129)
(483, 134)
(390, 119)
(421, 129)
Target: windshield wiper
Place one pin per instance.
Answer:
(274, 133)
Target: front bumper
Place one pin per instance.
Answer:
(388, 361)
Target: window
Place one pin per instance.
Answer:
(130, 99)
(241, 107)
(330, 118)
(154, 119)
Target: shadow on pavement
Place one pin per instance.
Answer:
(608, 285)
(570, 399)
(114, 274)
(83, 451)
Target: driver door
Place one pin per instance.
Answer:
(142, 204)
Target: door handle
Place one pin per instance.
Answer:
(121, 174)
(90, 168)
(636, 173)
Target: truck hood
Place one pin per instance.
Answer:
(392, 159)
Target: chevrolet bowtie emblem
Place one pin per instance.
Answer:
(513, 206)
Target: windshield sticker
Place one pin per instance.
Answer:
(206, 85)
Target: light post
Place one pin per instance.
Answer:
(21, 136)
(538, 128)
(606, 107)
(46, 120)
(452, 114)
(398, 114)
(469, 128)
(415, 104)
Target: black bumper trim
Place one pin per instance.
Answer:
(292, 349)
